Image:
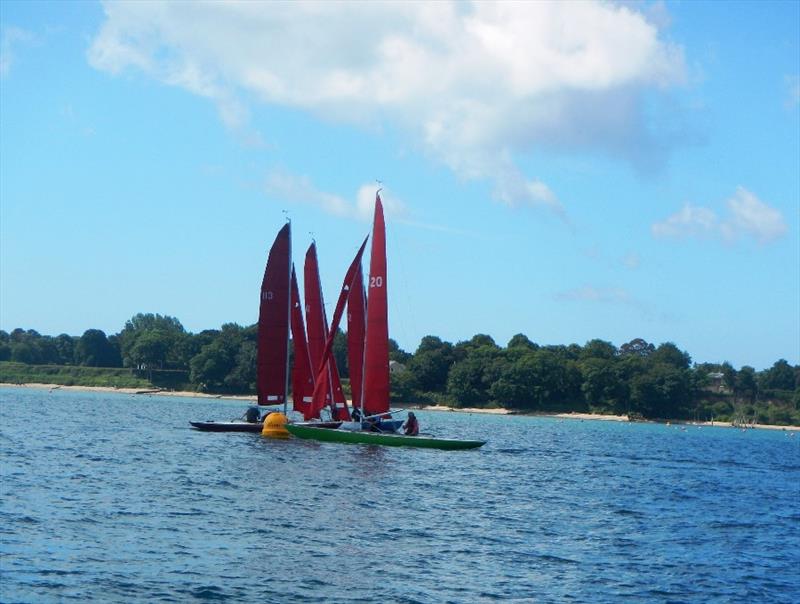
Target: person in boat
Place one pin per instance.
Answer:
(374, 426)
(252, 415)
(411, 427)
(356, 414)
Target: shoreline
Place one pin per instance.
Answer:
(435, 408)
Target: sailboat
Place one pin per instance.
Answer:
(374, 397)
(272, 357)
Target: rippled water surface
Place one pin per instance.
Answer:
(114, 498)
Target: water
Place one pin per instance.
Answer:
(114, 498)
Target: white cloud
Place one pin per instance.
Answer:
(690, 221)
(472, 83)
(299, 189)
(747, 215)
(10, 39)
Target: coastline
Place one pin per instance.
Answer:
(435, 408)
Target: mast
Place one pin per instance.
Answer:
(289, 275)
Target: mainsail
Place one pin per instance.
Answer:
(273, 323)
(302, 380)
(376, 349)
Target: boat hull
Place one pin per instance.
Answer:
(377, 438)
(227, 426)
(249, 427)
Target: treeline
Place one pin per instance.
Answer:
(638, 378)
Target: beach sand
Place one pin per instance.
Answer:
(490, 411)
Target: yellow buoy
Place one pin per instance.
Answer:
(274, 426)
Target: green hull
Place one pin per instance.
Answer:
(376, 438)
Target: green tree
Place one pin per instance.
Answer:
(168, 329)
(662, 391)
(431, 363)
(670, 354)
(598, 349)
(781, 376)
(94, 350)
(746, 385)
(637, 347)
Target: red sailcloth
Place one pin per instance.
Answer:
(273, 323)
(376, 349)
(347, 284)
(317, 325)
(302, 380)
(356, 325)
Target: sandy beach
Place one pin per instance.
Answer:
(437, 408)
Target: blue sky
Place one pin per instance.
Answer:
(569, 171)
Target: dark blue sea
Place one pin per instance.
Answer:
(113, 498)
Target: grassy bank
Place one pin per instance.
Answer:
(109, 377)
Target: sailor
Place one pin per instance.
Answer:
(252, 415)
(411, 427)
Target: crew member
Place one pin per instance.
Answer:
(411, 427)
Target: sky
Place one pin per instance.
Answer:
(566, 170)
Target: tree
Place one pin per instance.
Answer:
(211, 367)
(431, 363)
(670, 354)
(150, 349)
(598, 349)
(65, 345)
(169, 329)
(746, 385)
(780, 376)
(469, 379)
(94, 350)
(661, 392)
(396, 353)
(637, 347)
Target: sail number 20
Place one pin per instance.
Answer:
(376, 281)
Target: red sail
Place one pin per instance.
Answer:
(319, 388)
(356, 325)
(302, 382)
(376, 350)
(317, 324)
(273, 323)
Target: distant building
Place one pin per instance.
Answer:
(395, 367)
(716, 382)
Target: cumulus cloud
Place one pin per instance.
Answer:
(746, 216)
(472, 83)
